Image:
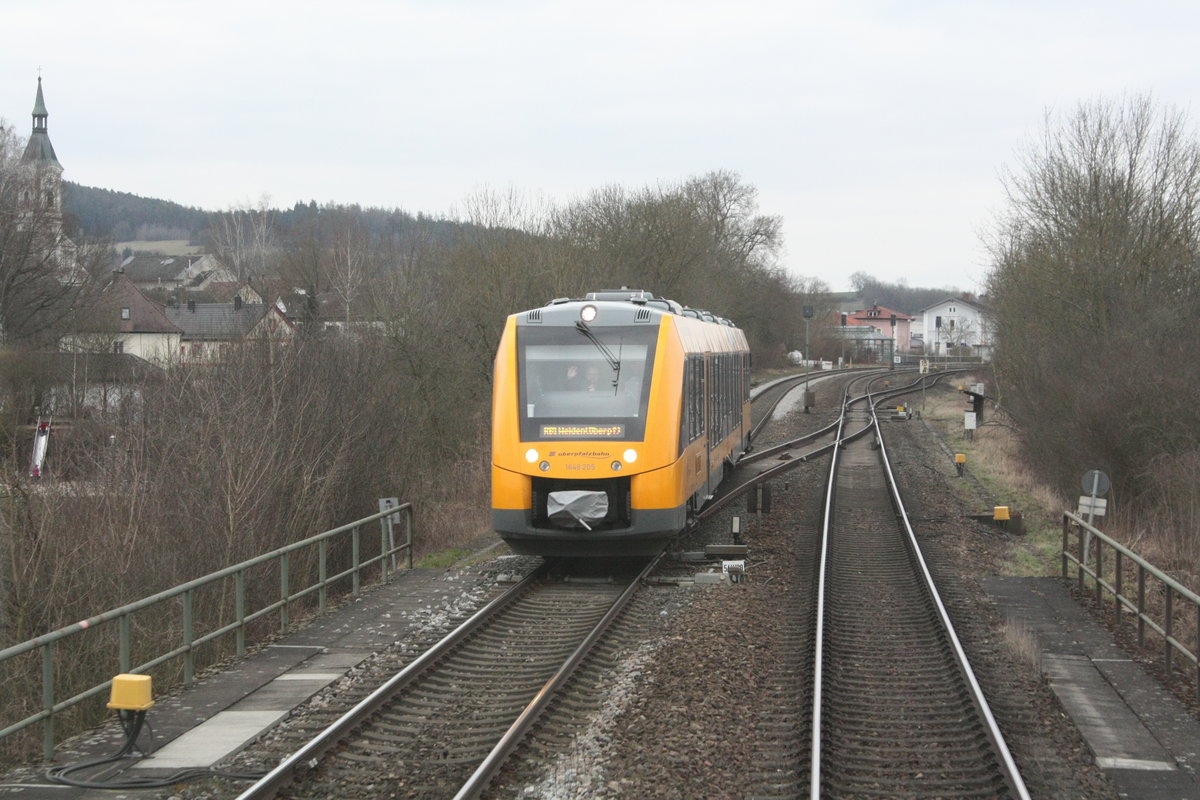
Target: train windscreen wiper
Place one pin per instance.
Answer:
(614, 362)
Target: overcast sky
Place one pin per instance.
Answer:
(876, 130)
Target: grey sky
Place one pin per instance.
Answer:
(876, 130)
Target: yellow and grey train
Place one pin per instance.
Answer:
(614, 419)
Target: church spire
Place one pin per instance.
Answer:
(39, 151)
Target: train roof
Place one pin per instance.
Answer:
(642, 299)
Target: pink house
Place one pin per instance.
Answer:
(893, 324)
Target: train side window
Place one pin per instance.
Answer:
(685, 407)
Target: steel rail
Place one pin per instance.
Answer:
(781, 388)
(793, 380)
(488, 768)
(283, 774)
(759, 455)
(718, 503)
(819, 634)
(1012, 774)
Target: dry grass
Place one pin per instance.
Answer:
(456, 514)
(1022, 643)
(993, 458)
(1162, 535)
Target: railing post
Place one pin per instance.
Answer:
(1066, 528)
(322, 573)
(125, 658)
(239, 601)
(384, 555)
(1168, 627)
(354, 547)
(1118, 583)
(48, 700)
(284, 592)
(408, 530)
(1099, 572)
(1082, 557)
(189, 656)
(1141, 605)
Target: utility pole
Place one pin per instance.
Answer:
(808, 312)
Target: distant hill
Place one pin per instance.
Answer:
(143, 223)
(121, 216)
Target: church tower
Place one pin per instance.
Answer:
(42, 191)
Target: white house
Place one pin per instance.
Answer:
(125, 321)
(952, 324)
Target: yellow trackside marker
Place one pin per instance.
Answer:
(1000, 513)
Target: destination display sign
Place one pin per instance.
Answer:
(583, 431)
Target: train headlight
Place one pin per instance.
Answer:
(616, 465)
(630, 456)
(531, 455)
(544, 466)
(587, 313)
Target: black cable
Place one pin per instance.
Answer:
(131, 724)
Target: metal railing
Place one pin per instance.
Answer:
(49, 645)
(1111, 580)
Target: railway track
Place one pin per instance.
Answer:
(878, 702)
(897, 711)
(881, 701)
(765, 463)
(444, 724)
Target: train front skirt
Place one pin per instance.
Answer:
(648, 532)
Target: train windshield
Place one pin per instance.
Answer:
(585, 384)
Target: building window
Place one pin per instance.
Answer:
(124, 313)
(118, 347)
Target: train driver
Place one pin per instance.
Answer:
(588, 381)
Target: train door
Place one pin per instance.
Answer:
(706, 393)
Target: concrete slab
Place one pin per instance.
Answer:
(1142, 785)
(1141, 735)
(1116, 736)
(213, 739)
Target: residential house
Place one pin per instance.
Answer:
(855, 340)
(223, 292)
(176, 273)
(955, 325)
(891, 324)
(208, 329)
(126, 321)
(77, 384)
(327, 311)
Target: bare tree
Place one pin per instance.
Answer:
(348, 260)
(1097, 269)
(243, 238)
